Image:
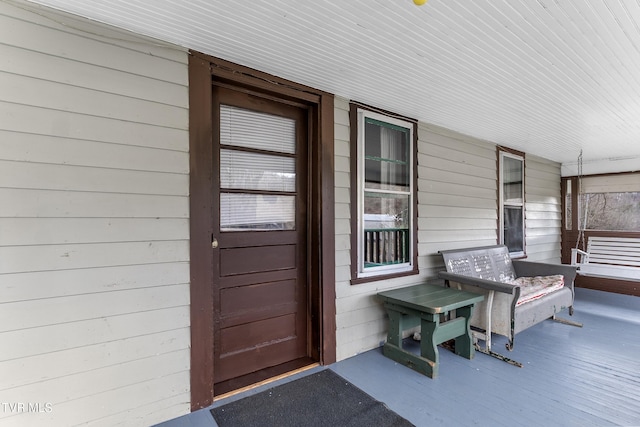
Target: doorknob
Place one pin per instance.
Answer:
(214, 242)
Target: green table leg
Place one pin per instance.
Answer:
(394, 335)
(464, 342)
(428, 340)
(393, 347)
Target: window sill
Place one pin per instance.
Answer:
(361, 280)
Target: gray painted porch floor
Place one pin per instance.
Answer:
(571, 376)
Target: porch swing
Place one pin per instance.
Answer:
(616, 258)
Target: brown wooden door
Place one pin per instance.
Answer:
(260, 233)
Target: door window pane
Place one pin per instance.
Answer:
(255, 171)
(256, 212)
(250, 129)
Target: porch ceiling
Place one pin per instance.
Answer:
(548, 77)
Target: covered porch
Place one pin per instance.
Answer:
(122, 289)
(571, 376)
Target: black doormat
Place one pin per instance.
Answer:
(321, 399)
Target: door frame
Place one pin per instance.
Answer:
(203, 70)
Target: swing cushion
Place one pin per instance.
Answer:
(532, 288)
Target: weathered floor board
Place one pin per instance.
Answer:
(572, 376)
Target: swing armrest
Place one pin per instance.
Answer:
(489, 285)
(584, 256)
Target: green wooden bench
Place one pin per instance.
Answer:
(424, 305)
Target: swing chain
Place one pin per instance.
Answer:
(581, 211)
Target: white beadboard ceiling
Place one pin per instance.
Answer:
(548, 77)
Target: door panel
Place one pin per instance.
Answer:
(262, 333)
(276, 297)
(273, 344)
(257, 259)
(260, 233)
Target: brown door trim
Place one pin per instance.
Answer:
(203, 70)
(200, 141)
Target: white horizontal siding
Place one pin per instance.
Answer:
(94, 222)
(22, 147)
(38, 203)
(28, 285)
(33, 231)
(163, 409)
(26, 369)
(88, 410)
(59, 337)
(457, 208)
(543, 210)
(25, 259)
(73, 69)
(76, 308)
(72, 387)
(458, 192)
(82, 101)
(84, 178)
(56, 123)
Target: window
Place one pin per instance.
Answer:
(383, 189)
(512, 215)
(568, 205)
(610, 202)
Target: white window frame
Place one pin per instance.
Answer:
(522, 204)
(363, 272)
